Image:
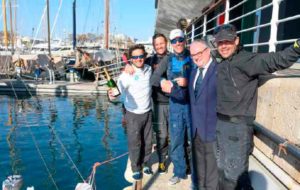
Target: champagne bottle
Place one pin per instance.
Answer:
(111, 84)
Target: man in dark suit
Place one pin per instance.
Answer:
(203, 100)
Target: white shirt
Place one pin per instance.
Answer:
(203, 72)
(136, 90)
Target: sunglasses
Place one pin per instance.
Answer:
(174, 41)
(228, 27)
(138, 57)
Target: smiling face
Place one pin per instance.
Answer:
(200, 54)
(227, 48)
(138, 58)
(178, 46)
(160, 45)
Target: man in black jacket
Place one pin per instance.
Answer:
(160, 102)
(237, 83)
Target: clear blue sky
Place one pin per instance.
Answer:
(135, 18)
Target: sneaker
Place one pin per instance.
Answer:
(147, 171)
(161, 168)
(173, 180)
(188, 171)
(137, 176)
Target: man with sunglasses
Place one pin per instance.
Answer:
(160, 101)
(177, 66)
(136, 92)
(237, 83)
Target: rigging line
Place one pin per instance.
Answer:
(39, 151)
(56, 16)
(112, 159)
(39, 26)
(57, 137)
(66, 152)
(86, 16)
(34, 140)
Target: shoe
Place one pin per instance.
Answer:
(147, 171)
(162, 168)
(188, 171)
(173, 180)
(137, 176)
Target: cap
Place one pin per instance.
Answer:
(225, 32)
(176, 33)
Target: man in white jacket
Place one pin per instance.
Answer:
(136, 94)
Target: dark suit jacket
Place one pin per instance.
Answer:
(203, 107)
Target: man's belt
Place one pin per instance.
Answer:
(236, 119)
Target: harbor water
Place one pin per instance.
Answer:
(53, 142)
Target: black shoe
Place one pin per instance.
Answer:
(137, 176)
(147, 171)
(188, 171)
(162, 168)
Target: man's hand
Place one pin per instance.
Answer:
(166, 86)
(129, 69)
(110, 95)
(181, 81)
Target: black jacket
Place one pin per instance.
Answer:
(158, 96)
(237, 78)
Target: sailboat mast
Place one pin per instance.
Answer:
(106, 30)
(15, 20)
(5, 40)
(74, 24)
(11, 29)
(48, 27)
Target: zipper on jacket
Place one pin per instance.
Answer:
(232, 79)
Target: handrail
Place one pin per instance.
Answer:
(272, 23)
(251, 12)
(240, 3)
(295, 151)
(288, 19)
(256, 44)
(253, 28)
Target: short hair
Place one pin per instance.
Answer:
(135, 47)
(157, 35)
(202, 42)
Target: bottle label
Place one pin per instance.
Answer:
(115, 91)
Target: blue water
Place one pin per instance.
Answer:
(89, 128)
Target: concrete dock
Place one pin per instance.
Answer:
(261, 178)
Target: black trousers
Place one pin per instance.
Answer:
(139, 134)
(205, 170)
(160, 126)
(234, 145)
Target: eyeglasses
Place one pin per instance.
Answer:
(138, 57)
(198, 53)
(228, 27)
(180, 40)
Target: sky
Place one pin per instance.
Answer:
(134, 18)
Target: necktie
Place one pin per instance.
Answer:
(198, 81)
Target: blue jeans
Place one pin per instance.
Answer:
(179, 131)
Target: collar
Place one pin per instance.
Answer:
(208, 64)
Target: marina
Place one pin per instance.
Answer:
(59, 129)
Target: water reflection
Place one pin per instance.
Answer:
(106, 136)
(84, 126)
(11, 139)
